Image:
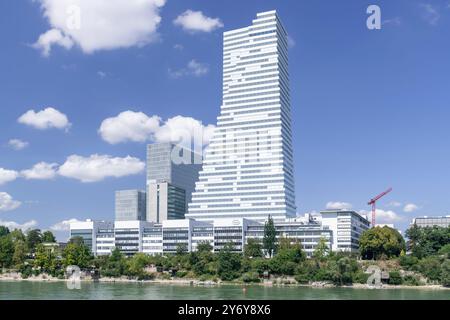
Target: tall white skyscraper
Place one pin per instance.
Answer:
(248, 167)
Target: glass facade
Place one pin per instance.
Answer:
(248, 167)
(130, 205)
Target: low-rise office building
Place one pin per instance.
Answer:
(339, 229)
(442, 221)
(347, 227)
(98, 236)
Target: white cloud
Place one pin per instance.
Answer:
(291, 42)
(63, 225)
(17, 144)
(383, 216)
(410, 207)
(138, 127)
(338, 205)
(11, 225)
(129, 126)
(195, 21)
(7, 203)
(430, 13)
(7, 175)
(45, 119)
(102, 74)
(50, 38)
(178, 47)
(394, 21)
(95, 25)
(394, 204)
(193, 68)
(41, 171)
(98, 167)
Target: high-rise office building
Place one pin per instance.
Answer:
(171, 175)
(130, 205)
(248, 167)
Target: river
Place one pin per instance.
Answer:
(17, 290)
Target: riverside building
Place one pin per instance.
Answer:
(248, 167)
(247, 172)
(171, 175)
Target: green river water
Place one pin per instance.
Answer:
(150, 291)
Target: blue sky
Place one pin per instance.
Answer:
(370, 107)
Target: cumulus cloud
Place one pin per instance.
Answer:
(7, 203)
(11, 225)
(98, 167)
(129, 126)
(139, 127)
(40, 171)
(95, 25)
(410, 207)
(45, 119)
(383, 216)
(17, 144)
(193, 68)
(338, 205)
(63, 225)
(196, 21)
(7, 175)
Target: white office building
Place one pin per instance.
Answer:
(426, 221)
(346, 226)
(248, 167)
(98, 236)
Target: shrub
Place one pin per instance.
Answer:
(146, 276)
(395, 278)
(445, 273)
(360, 277)
(181, 274)
(430, 267)
(445, 250)
(250, 277)
(411, 281)
(409, 262)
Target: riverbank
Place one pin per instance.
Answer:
(277, 282)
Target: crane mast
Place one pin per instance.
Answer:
(373, 202)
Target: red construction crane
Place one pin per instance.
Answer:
(373, 203)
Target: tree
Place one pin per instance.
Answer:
(445, 273)
(48, 236)
(136, 265)
(181, 249)
(20, 252)
(34, 237)
(253, 249)
(47, 261)
(76, 254)
(427, 241)
(270, 237)
(18, 235)
(378, 242)
(204, 246)
(229, 263)
(322, 249)
(287, 258)
(4, 231)
(77, 240)
(115, 265)
(6, 251)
